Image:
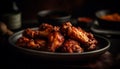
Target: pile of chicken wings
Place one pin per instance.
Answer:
(65, 38)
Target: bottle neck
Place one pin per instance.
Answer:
(12, 7)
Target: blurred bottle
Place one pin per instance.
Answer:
(12, 16)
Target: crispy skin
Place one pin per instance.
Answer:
(56, 28)
(38, 44)
(22, 41)
(45, 29)
(26, 42)
(73, 32)
(66, 25)
(92, 42)
(87, 39)
(41, 42)
(55, 40)
(71, 46)
(76, 33)
(31, 43)
(29, 33)
(64, 28)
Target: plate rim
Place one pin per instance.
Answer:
(103, 31)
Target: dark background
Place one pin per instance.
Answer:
(30, 8)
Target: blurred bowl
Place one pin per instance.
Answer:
(54, 17)
(84, 22)
(108, 19)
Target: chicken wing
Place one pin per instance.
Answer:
(31, 43)
(71, 46)
(76, 33)
(92, 42)
(42, 44)
(22, 41)
(55, 40)
(29, 33)
(27, 43)
(45, 29)
(64, 28)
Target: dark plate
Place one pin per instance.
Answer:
(103, 46)
(99, 30)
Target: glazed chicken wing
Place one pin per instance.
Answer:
(22, 41)
(57, 28)
(31, 43)
(71, 46)
(80, 35)
(42, 44)
(92, 42)
(38, 44)
(27, 43)
(55, 40)
(64, 27)
(76, 34)
(45, 29)
(29, 33)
